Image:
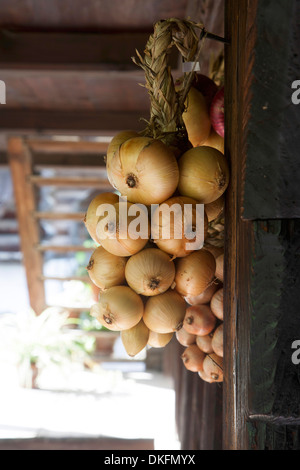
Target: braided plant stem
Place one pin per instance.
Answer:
(166, 103)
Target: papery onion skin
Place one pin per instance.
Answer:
(213, 367)
(116, 242)
(184, 338)
(150, 272)
(215, 250)
(206, 86)
(204, 297)
(119, 308)
(220, 267)
(135, 339)
(195, 272)
(196, 117)
(214, 209)
(193, 358)
(216, 112)
(162, 221)
(118, 140)
(145, 170)
(217, 341)
(164, 313)
(159, 340)
(204, 376)
(215, 140)
(203, 174)
(199, 320)
(216, 304)
(205, 343)
(105, 269)
(91, 219)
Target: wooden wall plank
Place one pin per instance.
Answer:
(25, 198)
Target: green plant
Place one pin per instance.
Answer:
(40, 340)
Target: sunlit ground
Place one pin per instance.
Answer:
(117, 398)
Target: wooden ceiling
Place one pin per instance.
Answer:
(67, 63)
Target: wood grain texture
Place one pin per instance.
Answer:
(271, 186)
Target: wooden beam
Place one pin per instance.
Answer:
(65, 147)
(21, 167)
(93, 51)
(58, 215)
(37, 120)
(63, 248)
(70, 181)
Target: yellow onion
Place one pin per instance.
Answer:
(205, 377)
(215, 250)
(144, 170)
(164, 313)
(117, 239)
(220, 267)
(199, 320)
(150, 272)
(195, 273)
(216, 304)
(214, 209)
(205, 343)
(168, 226)
(213, 367)
(215, 140)
(196, 117)
(119, 308)
(159, 340)
(217, 340)
(91, 218)
(135, 339)
(193, 358)
(118, 140)
(105, 269)
(204, 297)
(184, 338)
(203, 174)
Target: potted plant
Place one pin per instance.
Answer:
(35, 341)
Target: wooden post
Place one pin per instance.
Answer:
(25, 198)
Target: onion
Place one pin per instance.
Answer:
(206, 86)
(193, 358)
(118, 140)
(195, 272)
(184, 338)
(119, 308)
(205, 377)
(215, 140)
(196, 117)
(164, 313)
(135, 339)
(205, 343)
(91, 219)
(159, 340)
(199, 320)
(144, 170)
(214, 209)
(215, 250)
(204, 297)
(170, 224)
(213, 367)
(203, 174)
(105, 269)
(220, 267)
(117, 239)
(150, 272)
(217, 341)
(216, 304)
(216, 112)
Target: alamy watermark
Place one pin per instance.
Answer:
(166, 222)
(296, 94)
(2, 92)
